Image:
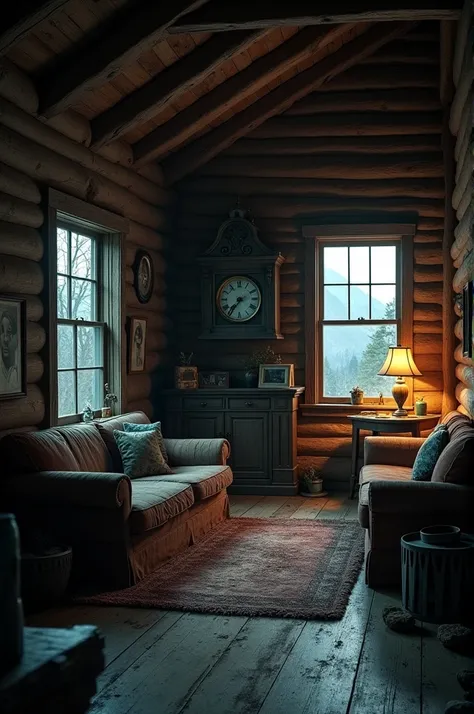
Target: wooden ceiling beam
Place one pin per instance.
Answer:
(119, 41)
(204, 149)
(148, 100)
(21, 17)
(220, 16)
(191, 120)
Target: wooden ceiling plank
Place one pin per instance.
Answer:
(144, 103)
(21, 17)
(220, 16)
(280, 99)
(101, 56)
(206, 109)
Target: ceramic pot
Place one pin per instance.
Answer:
(420, 408)
(251, 379)
(357, 398)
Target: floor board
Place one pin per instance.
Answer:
(174, 662)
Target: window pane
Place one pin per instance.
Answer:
(62, 250)
(335, 265)
(82, 256)
(359, 256)
(352, 355)
(384, 264)
(66, 347)
(83, 303)
(383, 302)
(336, 302)
(90, 388)
(359, 301)
(63, 296)
(66, 394)
(89, 347)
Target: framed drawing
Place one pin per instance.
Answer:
(12, 347)
(467, 319)
(137, 344)
(276, 376)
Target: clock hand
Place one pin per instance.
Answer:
(239, 299)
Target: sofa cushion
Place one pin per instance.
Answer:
(156, 426)
(455, 465)
(205, 481)
(429, 453)
(155, 501)
(141, 453)
(377, 472)
(106, 428)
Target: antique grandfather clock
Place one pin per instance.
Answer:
(240, 284)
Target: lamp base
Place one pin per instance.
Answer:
(400, 394)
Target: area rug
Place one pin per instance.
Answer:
(256, 567)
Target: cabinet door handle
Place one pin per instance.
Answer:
(204, 404)
(249, 404)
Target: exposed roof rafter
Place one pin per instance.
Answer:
(101, 56)
(201, 151)
(21, 17)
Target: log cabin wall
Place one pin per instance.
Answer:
(461, 126)
(35, 155)
(370, 143)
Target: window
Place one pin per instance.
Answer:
(81, 330)
(359, 315)
(358, 302)
(86, 287)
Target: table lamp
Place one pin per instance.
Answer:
(399, 363)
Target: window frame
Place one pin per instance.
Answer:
(320, 235)
(110, 229)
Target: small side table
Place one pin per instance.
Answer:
(386, 425)
(57, 673)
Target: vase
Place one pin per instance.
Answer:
(251, 379)
(420, 408)
(357, 398)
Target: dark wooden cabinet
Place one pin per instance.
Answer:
(260, 425)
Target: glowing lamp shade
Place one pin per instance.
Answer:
(399, 363)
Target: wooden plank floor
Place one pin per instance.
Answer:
(171, 662)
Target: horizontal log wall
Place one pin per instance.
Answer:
(369, 144)
(34, 156)
(461, 124)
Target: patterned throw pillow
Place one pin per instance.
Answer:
(429, 453)
(141, 454)
(129, 427)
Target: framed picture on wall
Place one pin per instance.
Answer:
(467, 319)
(12, 347)
(136, 344)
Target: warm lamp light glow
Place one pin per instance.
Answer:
(399, 363)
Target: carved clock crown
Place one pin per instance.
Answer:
(238, 236)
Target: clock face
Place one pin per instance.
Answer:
(239, 298)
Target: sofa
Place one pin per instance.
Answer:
(69, 482)
(392, 504)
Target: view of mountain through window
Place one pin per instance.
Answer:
(359, 316)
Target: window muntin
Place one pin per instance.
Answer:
(359, 315)
(80, 330)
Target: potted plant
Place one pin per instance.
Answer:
(109, 400)
(266, 355)
(45, 570)
(310, 482)
(186, 374)
(357, 395)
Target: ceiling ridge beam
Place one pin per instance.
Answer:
(280, 99)
(104, 51)
(220, 16)
(206, 109)
(145, 102)
(21, 17)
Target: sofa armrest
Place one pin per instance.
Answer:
(197, 452)
(73, 488)
(405, 498)
(391, 450)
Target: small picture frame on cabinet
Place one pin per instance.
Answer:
(214, 380)
(467, 319)
(276, 376)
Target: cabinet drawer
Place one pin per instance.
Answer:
(258, 403)
(197, 403)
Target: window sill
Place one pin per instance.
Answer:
(329, 409)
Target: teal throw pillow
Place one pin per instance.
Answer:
(429, 453)
(141, 453)
(130, 427)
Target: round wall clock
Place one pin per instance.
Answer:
(238, 299)
(143, 276)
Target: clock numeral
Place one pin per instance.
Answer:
(246, 286)
(231, 287)
(253, 291)
(239, 315)
(252, 307)
(239, 283)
